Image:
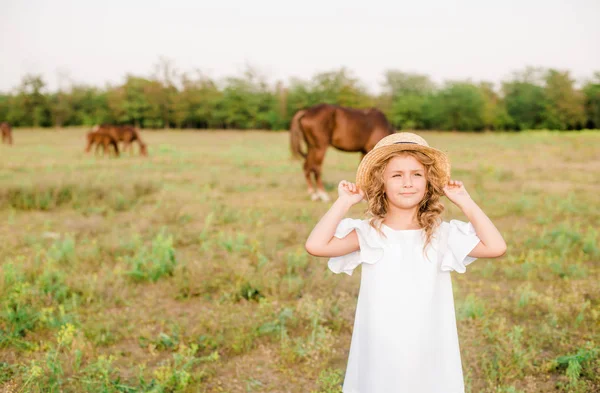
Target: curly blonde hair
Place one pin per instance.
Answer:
(430, 207)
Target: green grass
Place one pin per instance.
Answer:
(185, 271)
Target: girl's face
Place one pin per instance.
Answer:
(405, 182)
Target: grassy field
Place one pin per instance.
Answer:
(185, 271)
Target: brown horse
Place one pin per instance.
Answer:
(346, 129)
(125, 134)
(103, 140)
(6, 130)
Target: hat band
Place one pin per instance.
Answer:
(414, 143)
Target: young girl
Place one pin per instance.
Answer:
(404, 338)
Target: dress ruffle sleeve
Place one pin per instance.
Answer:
(370, 251)
(461, 241)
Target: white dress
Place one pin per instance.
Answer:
(404, 338)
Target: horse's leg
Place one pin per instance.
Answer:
(308, 170)
(319, 156)
(106, 143)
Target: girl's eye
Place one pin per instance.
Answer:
(417, 174)
(396, 175)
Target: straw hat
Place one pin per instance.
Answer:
(400, 141)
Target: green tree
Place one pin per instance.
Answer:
(531, 98)
(525, 99)
(591, 91)
(161, 91)
(30, 106)
(341, 88)
(90, 106)
(61, 108)
(60, 103)
(407, 112)
(408, 94)
(158, 99)
(199, 99)
(458, 106)
(337, 87)
(495, 116)
(247, 102)
(129, 103)
(5, 103)
(564, 104)
(300, 96)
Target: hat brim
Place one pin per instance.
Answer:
(363, 173)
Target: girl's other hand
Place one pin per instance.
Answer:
(350, 192)
(456, 192)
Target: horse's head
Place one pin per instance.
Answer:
(90, 140)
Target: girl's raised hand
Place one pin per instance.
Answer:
(456, 192)
(350, 192)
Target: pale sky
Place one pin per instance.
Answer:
(96, 42)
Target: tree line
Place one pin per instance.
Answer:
(533, 98)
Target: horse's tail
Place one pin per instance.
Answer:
(296, 135)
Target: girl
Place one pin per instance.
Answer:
(404, 338)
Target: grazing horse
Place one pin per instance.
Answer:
(346, 129)
(101, 139)
(6, 130)
(125, 134)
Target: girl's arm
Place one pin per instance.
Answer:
(492, 244)
(321, 242)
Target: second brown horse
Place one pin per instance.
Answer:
(346, 129)
(125, 134)
(101, 140)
